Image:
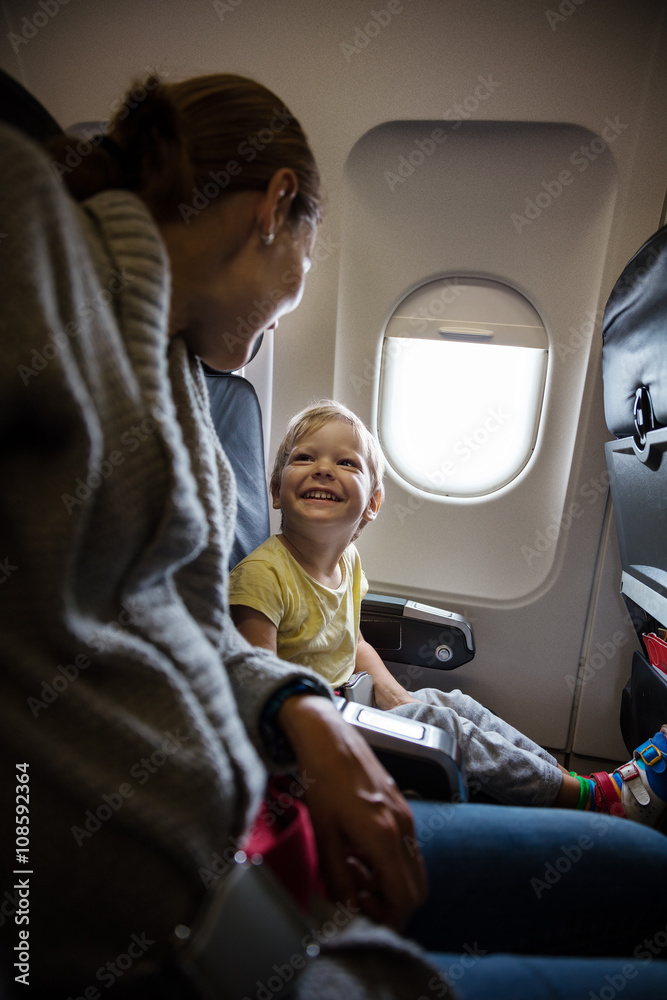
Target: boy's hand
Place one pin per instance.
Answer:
(387, 691)
(390, 697)
(364, 828)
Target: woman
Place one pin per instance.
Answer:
(126, 690)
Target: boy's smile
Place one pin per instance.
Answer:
(321, 495)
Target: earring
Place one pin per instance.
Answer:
(267, 238)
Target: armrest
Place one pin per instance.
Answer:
(424, 761)
(407, 632)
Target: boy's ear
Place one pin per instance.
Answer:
(276, 498)
(372, 507)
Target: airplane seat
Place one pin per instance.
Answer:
(424, 761)
(238, 421)
(634, 366)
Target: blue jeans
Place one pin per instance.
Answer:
(519, 896)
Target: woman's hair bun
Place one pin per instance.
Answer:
(175, 144)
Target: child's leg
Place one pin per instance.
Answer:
(570, 794)
(498, 759)
(507, 764)
(469, 708)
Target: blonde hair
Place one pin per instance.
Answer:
(310, 420)
(170, 141)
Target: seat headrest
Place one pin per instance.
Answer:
(634, 332)
(237, 418)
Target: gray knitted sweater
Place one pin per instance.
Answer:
(124, 685)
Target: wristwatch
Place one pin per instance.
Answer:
(275, 742)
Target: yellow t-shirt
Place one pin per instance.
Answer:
(317, 626)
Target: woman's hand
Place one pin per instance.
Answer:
(363, 826)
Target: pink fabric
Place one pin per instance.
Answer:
(284, 836)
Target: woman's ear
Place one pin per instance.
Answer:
(277, 203)
(372, 507)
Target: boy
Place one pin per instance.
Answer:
(299, 595)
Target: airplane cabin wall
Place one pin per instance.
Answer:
(367, 79)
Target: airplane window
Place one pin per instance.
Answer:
(462, 379)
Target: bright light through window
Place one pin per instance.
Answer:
(460, 401)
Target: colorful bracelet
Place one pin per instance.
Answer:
(584, 790)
